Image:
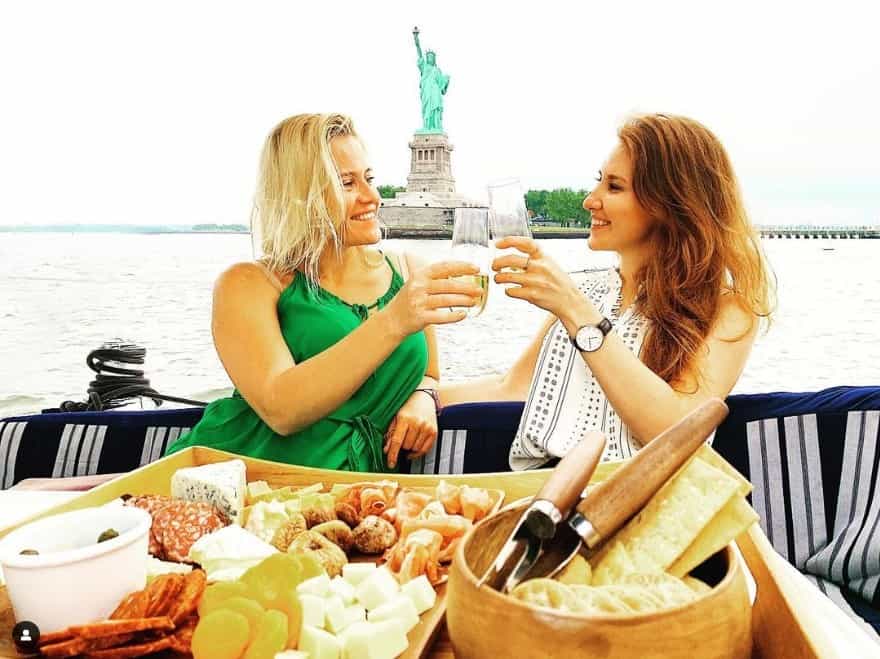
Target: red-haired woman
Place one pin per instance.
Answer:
(630, 351)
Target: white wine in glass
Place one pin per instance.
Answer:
(470, 242)
(508, 215)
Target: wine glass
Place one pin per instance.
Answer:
(507, 212)
(470, 242)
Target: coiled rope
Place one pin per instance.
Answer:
(116, 384)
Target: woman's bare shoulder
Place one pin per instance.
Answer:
(247, 277)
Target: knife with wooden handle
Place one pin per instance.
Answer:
(616, 500)
(549, 507)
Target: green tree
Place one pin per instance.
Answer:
(388, 191)
(536, 201)
(566, 206)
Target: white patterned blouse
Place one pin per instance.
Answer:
(565, 401)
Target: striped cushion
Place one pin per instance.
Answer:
(815, 474)
(87, 443)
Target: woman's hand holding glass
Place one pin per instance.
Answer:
(536, 277)
(428, 295)
(508, 215)
(470, 242)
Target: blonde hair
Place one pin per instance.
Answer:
(705, 244)
(299, 208)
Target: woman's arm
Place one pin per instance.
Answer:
(513, 385)
(645, 402)
(414, 427)
(290, 396)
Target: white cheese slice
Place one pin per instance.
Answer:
(319, 644)
(378, 588)
(421, 592)
(292, 654)
(222, 484)
(400, 608)
(229, 551)
(155, 568)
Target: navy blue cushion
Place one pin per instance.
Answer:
(87, 443)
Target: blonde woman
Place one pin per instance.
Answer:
(327, 340)
(631, 350)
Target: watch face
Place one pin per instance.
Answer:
(588, 339)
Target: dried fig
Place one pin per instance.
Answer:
(348, 514)
(331, 557)
(288, 531)
(374, 535)
(336, 532)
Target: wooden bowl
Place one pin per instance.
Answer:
(484, 623)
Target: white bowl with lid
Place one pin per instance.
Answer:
(74, 579)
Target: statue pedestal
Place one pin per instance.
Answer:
(430, 198)
(430, 168)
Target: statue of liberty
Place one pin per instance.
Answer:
(432, 87)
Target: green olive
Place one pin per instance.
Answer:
(28, 552)
(109, 534)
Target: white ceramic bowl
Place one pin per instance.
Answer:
(75, 579)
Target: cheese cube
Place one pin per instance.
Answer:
(319, 586)
(400, 608)
(222, 484)
(376, 589)
(313, 608)
(354, 573)
(334, 614)
(341, 588)
(421, 592)
(256, 488)
(374, 640)
(337, 616)
(319, 644)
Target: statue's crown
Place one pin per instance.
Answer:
(430, 52)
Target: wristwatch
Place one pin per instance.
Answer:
(589, 338)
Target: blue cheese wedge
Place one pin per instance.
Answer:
(222, 484)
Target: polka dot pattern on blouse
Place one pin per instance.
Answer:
(565, 400)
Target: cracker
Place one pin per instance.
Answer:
(138, 650)
(161, 594)
(190, 594)
(668, 524)
(128, 626)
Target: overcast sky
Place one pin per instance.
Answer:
(154, 112)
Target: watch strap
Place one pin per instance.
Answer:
(603, 326)
(435, 396)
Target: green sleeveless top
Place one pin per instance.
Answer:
(351, 437)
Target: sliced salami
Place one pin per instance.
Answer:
(178, 525)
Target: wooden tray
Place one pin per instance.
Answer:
(785, 621)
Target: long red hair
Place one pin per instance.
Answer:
(704, 243)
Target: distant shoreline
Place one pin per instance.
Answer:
(125, 228)
(414, 233)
